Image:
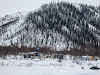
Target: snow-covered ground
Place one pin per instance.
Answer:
(48, 66)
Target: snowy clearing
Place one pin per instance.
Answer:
(48, 66)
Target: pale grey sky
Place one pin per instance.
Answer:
(8, 6)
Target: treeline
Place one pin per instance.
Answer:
(7, 50)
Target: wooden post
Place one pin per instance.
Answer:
(91, 57)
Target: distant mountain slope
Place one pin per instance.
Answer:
(57, 25)
(9, 26)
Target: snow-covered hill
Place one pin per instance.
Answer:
(58, 25)
(10, 25)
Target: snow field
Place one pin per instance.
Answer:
(48, 66)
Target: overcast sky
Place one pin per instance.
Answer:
(9, 6)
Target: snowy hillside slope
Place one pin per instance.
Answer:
(73, 25)
(10, 25)
(57, 25)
